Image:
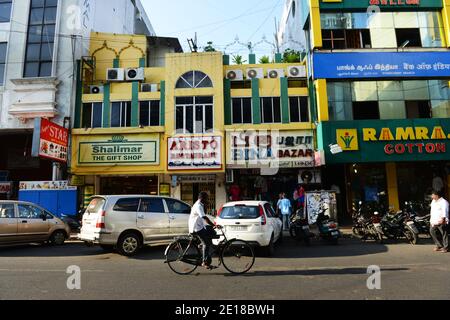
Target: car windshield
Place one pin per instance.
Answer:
(240, 212)
(95, 205)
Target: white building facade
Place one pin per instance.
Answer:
(40, 43)
(290, 31)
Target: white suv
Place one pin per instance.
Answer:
(129, 222)
(253, 221)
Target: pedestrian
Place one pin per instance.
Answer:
(299, 197)
(285, 206)
(439, 221)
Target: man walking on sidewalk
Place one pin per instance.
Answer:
(439, 222)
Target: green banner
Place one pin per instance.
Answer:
(386, 140)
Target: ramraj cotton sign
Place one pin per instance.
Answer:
(119, 149)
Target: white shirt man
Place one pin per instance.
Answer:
(196, 219)
(439, 211)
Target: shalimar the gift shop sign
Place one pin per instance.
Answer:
(119, 149)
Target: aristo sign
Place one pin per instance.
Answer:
(389, 140)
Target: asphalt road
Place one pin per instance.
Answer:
(295, 272)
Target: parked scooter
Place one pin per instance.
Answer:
(398, 225)
(422, 222)
(366, 228)
(299, 229)
(328, 228)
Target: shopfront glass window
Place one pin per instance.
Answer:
(440, 108)
(390, 90)
(364, 91)
(392, 110)
(416, 90)
(340, 110)
(383, 38)
(439, 89)
(406, 20)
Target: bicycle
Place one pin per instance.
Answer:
(183, 255)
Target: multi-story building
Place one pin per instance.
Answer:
(40, 43)
(180, 123)
(380, 74)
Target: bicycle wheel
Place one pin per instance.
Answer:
(181, 259)
(237, 256)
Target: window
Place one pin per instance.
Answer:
(242, 110)
(154, 205)
(194, 79)
(333, 39)
(346, 39)
(127, 205)
(40, 39)
(5, 10)
(270, 110)
(120, 114)
(240, 212)
(365, 110)
(7, 211)
(3, 47)
(194, 115)
(92, 115)
(175, 206)
(409, 37)
(418, 109)
(29, 212)
(149, 112)
(269, 211)
(298, 109)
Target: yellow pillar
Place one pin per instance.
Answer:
(316, 28)
(391, 174)
(322, 100)
(446, 20)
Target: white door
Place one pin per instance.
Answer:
(153, 220)
(8, 223)
(273, 220)
(179, 213)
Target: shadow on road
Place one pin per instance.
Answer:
(315, 272)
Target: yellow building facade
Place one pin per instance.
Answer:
(167, 130)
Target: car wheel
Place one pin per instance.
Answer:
(58, 238)
(269, 250)
(129, 244)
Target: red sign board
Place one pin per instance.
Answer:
(394, 2)
(54, 141)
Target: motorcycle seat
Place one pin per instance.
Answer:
(427, 217)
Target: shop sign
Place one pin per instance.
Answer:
(368, 65)
(77, 181)
(194, 153)
(164, 189)
(273, 149)
(393, 3)
(127, 149)
(399, 140)
(45, 185)
(50, 140)
(344, 5)
(5, 187)
(197, 179)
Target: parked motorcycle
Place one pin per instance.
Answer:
(398, 225)
(328, 228)
(299, 229)
(366, 228)
(422, 222)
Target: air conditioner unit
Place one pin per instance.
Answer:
(135, 74)
(255, 73)
(275, 73)
(296, 72)
(149, 87)
(235, 75)
(115, 74)
(96, 89)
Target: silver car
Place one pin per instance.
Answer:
(129, 222)
(24, 222)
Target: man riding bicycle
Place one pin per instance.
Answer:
(201, 226)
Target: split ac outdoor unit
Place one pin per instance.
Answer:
(255, 73)
(149, 87)
(235, 75)
(275, 73)
(296, 72)
(115, 74)
(96, 89)
(135, 74)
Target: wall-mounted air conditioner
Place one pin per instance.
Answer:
(235, 75)
(255, 73)
(115, 74)
(275, 73)
(96, 89)
(296, 72)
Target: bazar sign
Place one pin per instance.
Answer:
(281, 149)
(50, 140)
(381, 65)
(45, 185)
(119, 149)
(194, 153)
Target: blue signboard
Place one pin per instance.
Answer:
(381, 65)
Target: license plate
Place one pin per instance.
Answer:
(238, 228)
(335, 233)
